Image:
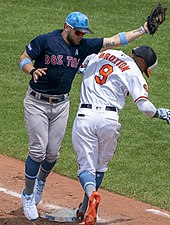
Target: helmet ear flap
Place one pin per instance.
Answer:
(149, 69)
(148, 72)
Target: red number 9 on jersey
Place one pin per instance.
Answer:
(105, 71)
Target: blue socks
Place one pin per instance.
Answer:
(87, 178)
(45, 169)
(31, 168)
(99, 179)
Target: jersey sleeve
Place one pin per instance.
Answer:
(87, 59)
(83, 66)
(92, 45)
(138, 87)
(35, 48)
(146, 107)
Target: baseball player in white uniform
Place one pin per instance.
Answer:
(109, 78)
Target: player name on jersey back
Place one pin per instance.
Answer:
(122, 65)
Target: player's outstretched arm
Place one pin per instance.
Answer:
(122, 38)
(153, 21)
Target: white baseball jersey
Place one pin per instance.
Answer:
(110, 77)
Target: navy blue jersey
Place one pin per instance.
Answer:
(62, 61)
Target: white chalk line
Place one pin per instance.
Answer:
(14, 194)
(159, 213)
(50, 206)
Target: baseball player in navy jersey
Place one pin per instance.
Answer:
(52, 60)
(110, 76)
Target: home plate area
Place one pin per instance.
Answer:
(64, 215)
(60, 215)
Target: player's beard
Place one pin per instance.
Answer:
(72, 41)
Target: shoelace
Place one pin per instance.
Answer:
(29, 201)
(40, 187)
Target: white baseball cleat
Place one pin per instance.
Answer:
(38, 190)
(30, 210)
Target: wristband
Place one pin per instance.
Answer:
(123, 39)
(24, 61)
(143, 30)
(32, 71)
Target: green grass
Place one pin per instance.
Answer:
(140, 168)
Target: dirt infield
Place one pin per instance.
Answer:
(64, 192)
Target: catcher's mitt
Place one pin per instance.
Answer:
(156, 17)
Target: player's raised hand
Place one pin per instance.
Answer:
(154, 20)
(38, 73)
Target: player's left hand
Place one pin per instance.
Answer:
(156, 17)
(164, 114)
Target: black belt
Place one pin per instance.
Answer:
(108, 108)
(49, 99)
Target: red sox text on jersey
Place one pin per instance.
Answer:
(58, 60)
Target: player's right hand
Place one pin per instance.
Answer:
(164, 114)
(38, 73)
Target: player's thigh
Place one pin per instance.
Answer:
(85, 144)
(37, 125)
(108, 140)
(57, 128)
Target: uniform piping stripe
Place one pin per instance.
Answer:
(88, 184)
(30, 177)
(141, 97)
(45, 171)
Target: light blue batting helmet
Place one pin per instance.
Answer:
(79, 21)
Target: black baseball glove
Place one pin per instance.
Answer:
(156, 17)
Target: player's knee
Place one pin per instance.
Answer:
(52, 156)
(37, 156)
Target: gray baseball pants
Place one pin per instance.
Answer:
(46, 124)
